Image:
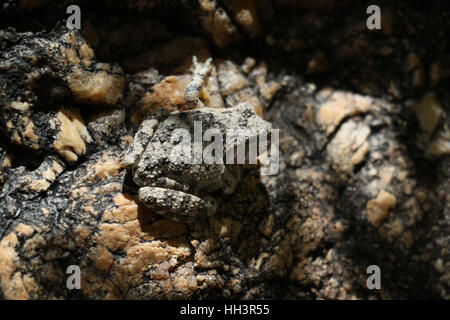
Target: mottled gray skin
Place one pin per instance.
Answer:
(184, 191)
(179, 190)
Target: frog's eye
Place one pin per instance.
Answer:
(177, 140)
(180, 136)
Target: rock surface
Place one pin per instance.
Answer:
(364, 149)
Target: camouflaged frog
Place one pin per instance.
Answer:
(186, 190)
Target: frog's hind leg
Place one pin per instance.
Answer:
(177, 205)
(167, 183)
(193, 89)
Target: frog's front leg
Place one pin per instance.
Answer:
(177, 205)
(141, 139)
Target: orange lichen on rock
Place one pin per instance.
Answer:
(217, 23)
(428, 111)
(11, 280)
(377, 209)
(108, 166)
(19, 106)
(102, 258)
(341, 105)
(246, 16)
(96, 87)
(40, 185)
(101, 84)
(55, 169)
(349, 147)
(167, 94)
(126, 210)
(72, 135)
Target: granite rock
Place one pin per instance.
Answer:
(364, 149)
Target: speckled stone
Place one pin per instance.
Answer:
(364, 150)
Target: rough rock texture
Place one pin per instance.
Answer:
(364, 140)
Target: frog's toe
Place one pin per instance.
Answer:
(172, 203)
